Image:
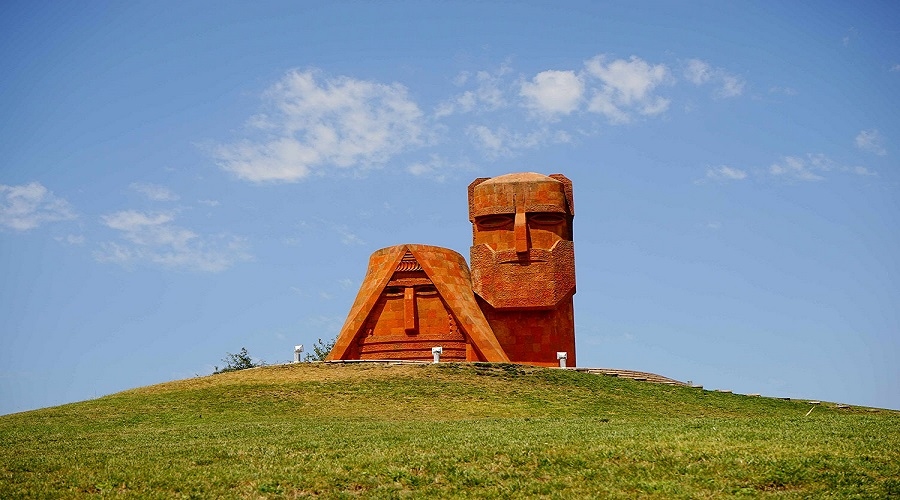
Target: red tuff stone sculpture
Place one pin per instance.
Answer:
(523, 263)
(515, 306)
(413, 298)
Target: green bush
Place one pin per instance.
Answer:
(239, 361)
(321, 349)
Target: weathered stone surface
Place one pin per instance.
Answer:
(413, 298)
(515, 306)
(523, 263)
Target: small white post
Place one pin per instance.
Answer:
(297, 350)
(436, 352)
(561, 356)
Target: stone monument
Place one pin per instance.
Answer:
(523, 263)
(413, 298)
(515, 306)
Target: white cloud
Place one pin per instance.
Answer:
(871, 141)
(317, 124)
(862, 171)
(437, 167)
(488, 139)
(796, 168)
(553, 92)
(501, 142)
(152, 237)
(71, 239)
(27, 206)
(732, 86)
(812, 167)
(420, 168)
(626, 87)
(461, 78)
(726, 173)
(154, 192)
(700, 73)
(487, 94)
(697, 72)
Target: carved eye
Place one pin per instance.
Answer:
(426, 290)
(546, 219)
(393, 291)
(494, 221)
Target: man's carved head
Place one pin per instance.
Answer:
(522, 252)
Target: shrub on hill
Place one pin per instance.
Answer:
(239, 361)
(321, 349)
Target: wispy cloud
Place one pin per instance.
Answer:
(811, 167)
(796, 168)
(552, 93)
(71, 239)
(804, 168)
(487, 92)
(858, 170)
(627, 87)
(871, 141)
(437, 167)
(895, 68)
(726, 84)
(154, 238)
(154, 192)
(315, 123)
(501, 142)
(725, 173)
(28, 206)
(732, 86)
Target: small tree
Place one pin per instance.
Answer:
(235, 362)
(321, 350)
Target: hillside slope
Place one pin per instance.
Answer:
(464, 430)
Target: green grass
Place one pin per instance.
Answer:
(449, 430)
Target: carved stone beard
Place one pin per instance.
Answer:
(537, 279)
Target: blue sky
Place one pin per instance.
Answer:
(182, 179)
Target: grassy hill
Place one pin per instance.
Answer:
(448, 430)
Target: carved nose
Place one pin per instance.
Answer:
(521, 232)
(409, 310)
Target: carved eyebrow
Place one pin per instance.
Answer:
(494, 221)
(546, 218)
